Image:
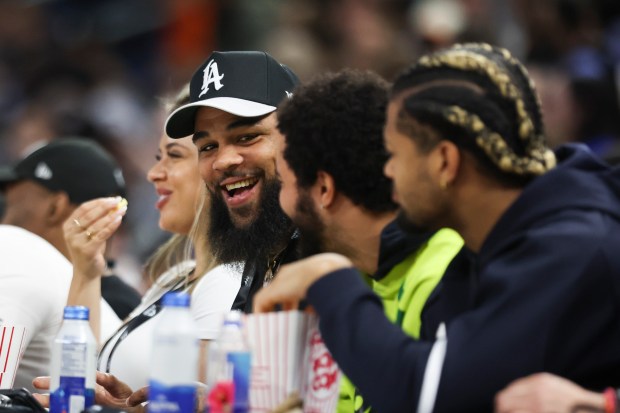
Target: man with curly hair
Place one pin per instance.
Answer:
(334, 190)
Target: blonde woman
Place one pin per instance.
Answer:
(126, 354)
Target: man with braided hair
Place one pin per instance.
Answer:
(468, 152)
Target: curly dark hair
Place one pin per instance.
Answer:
(335, 124)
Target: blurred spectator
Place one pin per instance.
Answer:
(439, 23)
(558, 107)
(96, 68)
(573, 49)
(42, 190)
(579, 105)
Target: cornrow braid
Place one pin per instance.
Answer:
(493, 144)
(525, 84)
(523, 81)
(527, 87)
(500, 104)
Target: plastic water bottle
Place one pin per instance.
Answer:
(228, 369)
(174, 361)
(74, 354)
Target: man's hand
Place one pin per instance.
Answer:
(109, 391)
(291, 283)
(42, 383)
(138, 397)
(546, 393)
(112, 392)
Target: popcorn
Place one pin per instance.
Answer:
(122, 204)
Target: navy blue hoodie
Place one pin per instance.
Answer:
(546, 298)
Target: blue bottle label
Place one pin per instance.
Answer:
(171, 399)
(71, 396)
(241, 378)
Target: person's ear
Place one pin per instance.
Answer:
(325, 188)
(58, 209)
(447, 163)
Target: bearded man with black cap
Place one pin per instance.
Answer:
(231, 114)
(41, 191)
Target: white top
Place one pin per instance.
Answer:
(34, 285)
(211, 298)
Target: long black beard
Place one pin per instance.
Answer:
(310, 227)
(268, 233)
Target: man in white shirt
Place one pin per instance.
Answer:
(41, 191)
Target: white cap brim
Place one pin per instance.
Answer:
(180, 123)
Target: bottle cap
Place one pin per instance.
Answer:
(176, 300)
(76, 312)
(233, 317)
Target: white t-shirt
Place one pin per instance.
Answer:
(34, 284)
(128, 355)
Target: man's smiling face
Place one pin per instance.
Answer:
(236, 159)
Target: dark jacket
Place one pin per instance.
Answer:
(545, 298)
(454, 294)
(396, 245)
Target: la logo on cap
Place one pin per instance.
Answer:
(42, 171)
(211, 75)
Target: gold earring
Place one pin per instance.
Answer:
(443, 185)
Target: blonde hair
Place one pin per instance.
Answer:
(169, 254)
(181, 247)
(205, 261)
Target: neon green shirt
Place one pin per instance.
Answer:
(404, 291)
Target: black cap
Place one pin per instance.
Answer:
(77, 166)
(246, 84)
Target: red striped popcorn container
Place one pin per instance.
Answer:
(12, 346)
(289, 357)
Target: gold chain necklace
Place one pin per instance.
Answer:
(273, 265)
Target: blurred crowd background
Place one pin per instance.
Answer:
(99, 68)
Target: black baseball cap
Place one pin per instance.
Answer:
(78, 166)
(246, 84)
